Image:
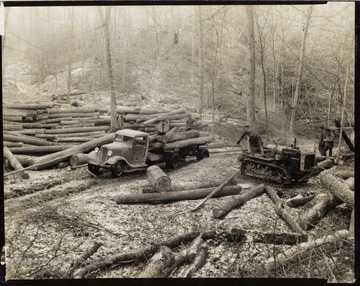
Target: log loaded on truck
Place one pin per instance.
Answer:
(130, 150)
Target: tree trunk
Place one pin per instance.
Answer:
(251, 43)
(158, 179)
(281, 211)
(232, 203)
(26, 140)
(299, 74)
(201, 62)
(70, 48)
(344, 135)
(14, 162)
(338, 189)
(195, 194)
(78, 159)
(299, 200)
(105, 22)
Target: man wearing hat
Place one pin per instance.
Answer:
(255, 142)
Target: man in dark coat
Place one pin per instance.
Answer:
(255, 142)
(329, 142)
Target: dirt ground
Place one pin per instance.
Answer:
(54, 217)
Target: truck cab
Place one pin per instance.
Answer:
(129, 149)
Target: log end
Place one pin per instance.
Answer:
(25, 175)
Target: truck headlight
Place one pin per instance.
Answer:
(97, 149)
(109, 153)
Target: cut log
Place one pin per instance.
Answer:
(39, 150)
(78, 159)
(147, 198)
(293, 254)
(30, 131)
(199, 261)
(177, 136)
(187, 142)
(141, 117)
(288, 238)
(52, 159)
(317, 209)
(142, 254)
(12, 127)
(232, 203)
(28, 106)
(73, 110)
(215, 145)
(352, 225)
(281, 211)
(13, 144)
(73, 139)
(165, 116)
(162, 127)
(338, 188)
(14, 162)
(76, 130)
(72, 115)
(151, 111)
(26, 139)
(81, 134)
(299, 200)
(25, 160)
(162, 260)
(345, 174)
(158, 179)
(126, 110)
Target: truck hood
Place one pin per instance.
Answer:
(117, 147)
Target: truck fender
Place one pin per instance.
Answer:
(114, 159)
(92, 156)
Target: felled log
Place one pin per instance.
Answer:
(76, 130)
(72, 115)
(25, 160)
(199, 261)
(31, 125)
(13, 118)
(27, 106)
(132, 198)
(147, 110)
(345, 174)
(40, 150)
(351, 183)
(339, 189)
(232, 203)
(158, 179)
(126, 109)
(78, 159)
(73, 110)
(293, 254)
(26, 139)
(299, 200)
(11, 127)
(14, 162)
(165, 116)
(162, 127)
(215, 145)
(31, 132)
(177, 136)
(52, 159)
(187, 142)
(69, 122)
(141, 117)
(143, 253)
(13, 144)
(281, 211)
(326, 164)
(80, 134)
(317, 209)
(162, 260)
(73, 139)
(288, 238)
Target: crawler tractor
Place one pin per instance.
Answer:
(285, 167)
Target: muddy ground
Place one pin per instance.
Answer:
(54, 217)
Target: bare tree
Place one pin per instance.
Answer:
(299, 74)
(70, 49)
(105, 23)
(251, 44)
(201, 61)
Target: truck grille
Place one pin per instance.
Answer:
(103, 155)
(309, 161)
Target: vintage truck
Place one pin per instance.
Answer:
(130, 150)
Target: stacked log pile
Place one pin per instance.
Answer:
(43, 128)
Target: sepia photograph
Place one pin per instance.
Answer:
(179, 141)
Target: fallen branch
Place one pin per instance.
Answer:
(338, 189)
(281, 211)
(302, 250)
(215, 191)
(299, 200)
(199, 261)
(232, 203)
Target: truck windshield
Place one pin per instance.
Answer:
(120, 138)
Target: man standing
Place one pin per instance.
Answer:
(255, 142)
(329, 142)
(190, 123)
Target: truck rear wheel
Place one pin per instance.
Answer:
(118, 169)
(202, 154)
(174, 161)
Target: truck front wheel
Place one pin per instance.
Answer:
(174, 161)
(93, 168)
(118, 169)
(202, 154)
